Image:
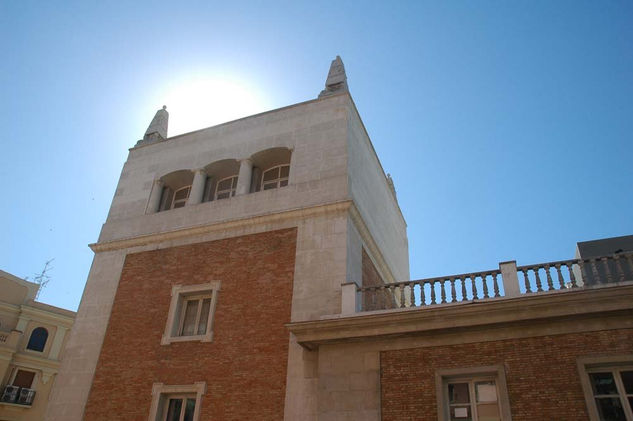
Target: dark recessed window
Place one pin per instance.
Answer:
(38, 339)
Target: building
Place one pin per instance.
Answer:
(258, 269)
(32, 338)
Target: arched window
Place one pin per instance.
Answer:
(226, 188)
(38, 339)
(180, 197)
(275, 177)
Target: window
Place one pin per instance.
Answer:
(176, 403)
(180, 197)
(275, 177)
(190, 316)
(38, 338)
(226, 188)
(19, 390)
(473, 394)
(608, 386)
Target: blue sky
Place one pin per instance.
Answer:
(507, 126)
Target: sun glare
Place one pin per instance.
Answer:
(202, 102)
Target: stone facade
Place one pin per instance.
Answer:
(287, 227)
(28, 367)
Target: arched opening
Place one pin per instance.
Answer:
(38, 338)
(221, 179)
(176, 189)
(271, 169)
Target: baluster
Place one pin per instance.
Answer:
(594, 271)
(495, 284)
(550, 283)
(484, 285)
(584, 273)
(403, 303)
(464, 296)
(537, 279)
(451, 280)
(372, 298)
(618, 267)
(526, 280)
(389, 295)
(422, 295)
(605, 263)
(629, 259)
(572, 277)
(561, 280)
(442, 290)
(432, 285)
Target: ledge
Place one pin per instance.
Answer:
(575, 305)
(145, 239)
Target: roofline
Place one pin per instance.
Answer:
(32, 286)
(244, 118)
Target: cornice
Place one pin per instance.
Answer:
(480, 314)
(297, 213)
(35, 361)
(37, 314)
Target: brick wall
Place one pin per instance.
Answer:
(244, 366)
(541, 374)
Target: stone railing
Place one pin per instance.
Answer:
(4, 337)
(491, 284)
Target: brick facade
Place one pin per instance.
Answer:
(541, 374)
(245, 365)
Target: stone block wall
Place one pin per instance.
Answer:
(245, 364)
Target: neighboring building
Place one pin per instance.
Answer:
(32, 338)
(258, 270)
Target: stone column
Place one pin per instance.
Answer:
(58, 340)
(244, 177)
(197, 187)
(154, 197)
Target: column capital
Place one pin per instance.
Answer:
(246, 161)
(202, 170)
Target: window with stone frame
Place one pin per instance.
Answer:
(19, 389)
(176, 402)
(37, 340)
(191, 310)
(275, 177)
(472, 394)
(608, 387)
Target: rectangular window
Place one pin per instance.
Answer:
(190, 316)
(177, 402)
(20, 391)
(608, 386)
(473, 394)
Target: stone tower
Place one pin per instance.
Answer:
(215, 240)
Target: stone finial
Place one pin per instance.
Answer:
(336, 79)
(157, 129)
(392, 187)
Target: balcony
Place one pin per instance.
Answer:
(18, 395)
(561, 297)
(508, 281)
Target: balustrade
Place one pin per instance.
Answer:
(534, 279)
